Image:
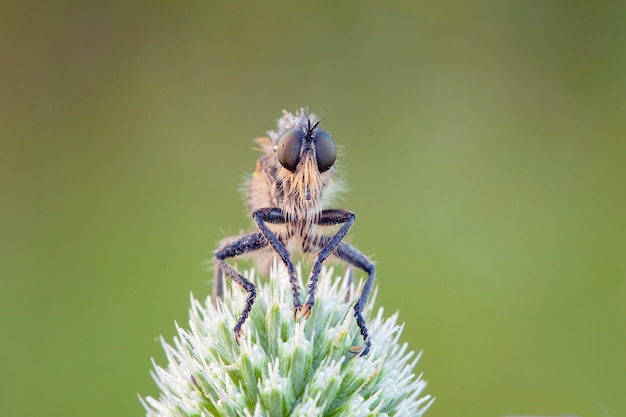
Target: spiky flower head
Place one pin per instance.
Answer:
(285, 367)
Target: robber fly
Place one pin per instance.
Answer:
(285, 196)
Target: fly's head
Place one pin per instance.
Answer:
(307, 156)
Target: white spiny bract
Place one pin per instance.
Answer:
(285, 367)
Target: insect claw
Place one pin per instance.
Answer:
(354, 351)
(306, 311)
(359, 351)
(238, 333)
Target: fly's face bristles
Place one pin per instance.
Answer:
(303, 190)
(297, 166)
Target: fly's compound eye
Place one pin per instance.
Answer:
(325, 150)
(288, 151)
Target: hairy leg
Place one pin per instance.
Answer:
(244, 244)
(275, 216)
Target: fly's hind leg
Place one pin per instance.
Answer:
(245, 244)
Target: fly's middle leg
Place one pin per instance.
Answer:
(354, 257)
(243, 245)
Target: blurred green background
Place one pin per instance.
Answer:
(484, 148)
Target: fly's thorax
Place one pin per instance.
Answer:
(262, 184)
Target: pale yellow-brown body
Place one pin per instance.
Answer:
(271, 185)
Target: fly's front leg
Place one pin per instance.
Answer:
(327, 218)
(243, 245)
(275, 216)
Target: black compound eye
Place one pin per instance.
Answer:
(325, 150)
(288, 151)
